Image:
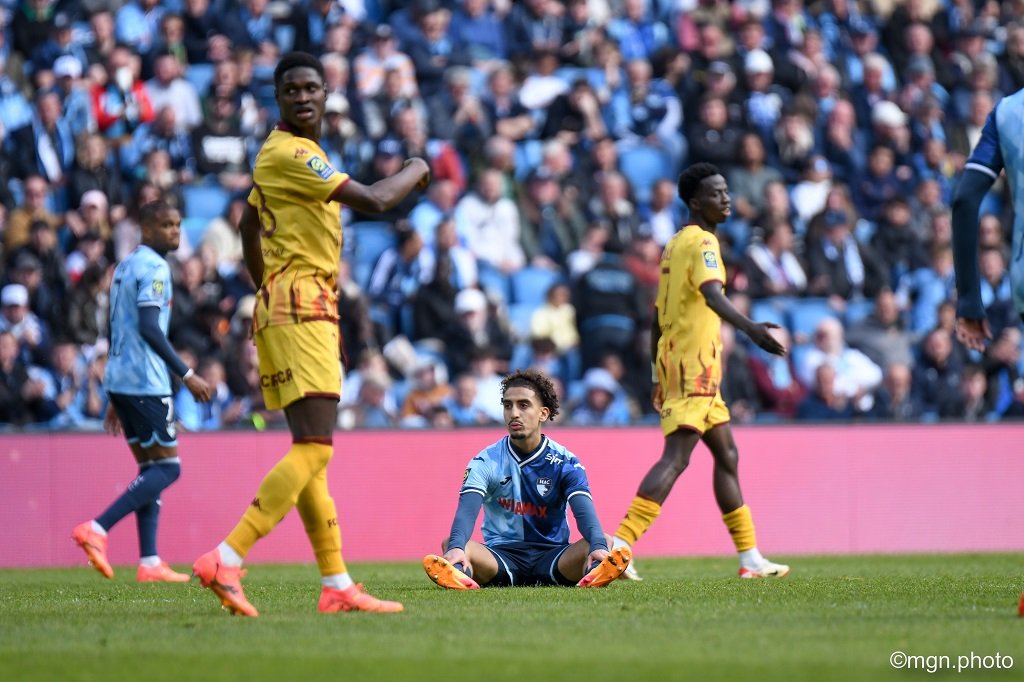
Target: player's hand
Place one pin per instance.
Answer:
(423, 167)
(199, 389)
(457, 556)
(595, 557)
(111, 424)
(657, 398)
(761, 334)
(973, 333)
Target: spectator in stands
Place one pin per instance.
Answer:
(856, 376)
(937, 371)
(638, 34)
(165, 135)
(380, 110)
(779, 392)
(995, 280)
(477, 337)
(457, 114)
(313, 20)
(90, 406)
(400, 271)
(836, 263)
(63, 381)
(894, 400)
(872, 90)
(42, 247)
(121, 104)
(1001, 362)
(825, 402)
(608, 308)
(477, 27)
(551, 224)
(738, 386)
(922, 291)
(665, 213)
(224, 409)
(555, 319)
(26, 269)
(501, 103)
(748, 178)
(158, 171)
(489, 224)
(765, 100)
(31, 25)
(612, 207)
(648, 112)
(969, 401)
(91, 219)
(76, 106)
(604, 402)
(575, 117)
(88, 307)
(771, 266)
(15, 387)
(222, 238)
(712, 137)
(220, 148)
(101, 40)
(882, 335)
(963, 135)
(94, 170)
(462, 405)
(810, 193)
(167, 88)
(433, 51)
(381, 57)
(895, 243)
(29, 331)
(138, 24)
(532, 27)
(445, 163)
(46, 146)
(1011, 62)
(429, 389)
(843, 143)
(388, 157)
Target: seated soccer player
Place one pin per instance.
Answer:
(524, 483)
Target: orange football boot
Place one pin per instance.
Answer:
(95, 547)
(442, 572)
(225, 581)
(161, 573)
(354, 598)
(610, 568)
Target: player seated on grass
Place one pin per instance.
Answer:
(524, 483)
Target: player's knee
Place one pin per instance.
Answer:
(728, 458)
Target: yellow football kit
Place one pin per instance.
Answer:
(296, 316)
(689, 360)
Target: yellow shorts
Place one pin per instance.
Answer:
(299, 361)
(698, 413)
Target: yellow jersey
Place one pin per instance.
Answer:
(300, 231)
(689, 361)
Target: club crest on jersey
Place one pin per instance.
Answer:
(543, 486)
(320, 167)
(710, 259)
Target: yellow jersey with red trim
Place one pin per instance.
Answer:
(300, 229)
(689, 361)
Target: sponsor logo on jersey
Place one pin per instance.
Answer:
(710, 259)
(544, 485)
(523, 508)
(275, 379)
(320, 167)
(554, 459)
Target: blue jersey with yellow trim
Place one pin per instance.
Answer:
(1000, 147)
(133, 368)
(525, 496)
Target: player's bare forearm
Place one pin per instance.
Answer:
(385, 194)
(723, 307)
(252, 249)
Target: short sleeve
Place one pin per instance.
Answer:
(154, 286)
(477, 477)
(706, 264)
(987, 156)
(307, 171)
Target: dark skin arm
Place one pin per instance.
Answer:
(385, 194)
(252, 253)
(759, 332)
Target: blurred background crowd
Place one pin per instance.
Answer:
(555, 131)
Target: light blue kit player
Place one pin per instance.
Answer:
(1000, 147)
(524, 483)
(139, 384)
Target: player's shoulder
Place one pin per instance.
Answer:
(144, 259)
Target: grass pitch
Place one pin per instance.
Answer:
(833, 618)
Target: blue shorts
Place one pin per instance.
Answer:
(147, 420)
(527, 563)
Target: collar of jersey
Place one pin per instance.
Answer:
(532, 456)
(284, 127)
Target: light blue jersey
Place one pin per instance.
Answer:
(133, 368)
(525, 497)
(1002, 147)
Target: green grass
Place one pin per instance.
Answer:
(834, 618)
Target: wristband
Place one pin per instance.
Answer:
(188, 374)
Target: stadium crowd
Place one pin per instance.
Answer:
(555, 131)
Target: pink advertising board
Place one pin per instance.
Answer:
(813, 490)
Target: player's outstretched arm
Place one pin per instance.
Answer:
(149, 330)
(972, 327)
(252, 251)
(385, 194)
(759, 332)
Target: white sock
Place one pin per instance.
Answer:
(338, 581)
(229, 556)
(149, 561)
(99, 529)
(752, 559)
(618, 542)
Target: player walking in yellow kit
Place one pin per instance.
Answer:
(686, 345)
(291, 237)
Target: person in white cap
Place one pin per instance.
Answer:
(77, 105)
(600, 406)
(17, 318)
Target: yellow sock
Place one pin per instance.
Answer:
(316, 507)
(641, 514)
(278, 493)
(741, 527)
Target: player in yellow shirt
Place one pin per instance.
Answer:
(686, 346)
(291, 240)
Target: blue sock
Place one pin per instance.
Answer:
(143, 490)
(146, 518)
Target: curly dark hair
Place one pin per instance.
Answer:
(536, 382)
(690, 179)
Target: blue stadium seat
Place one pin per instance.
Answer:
(530, 285)
(370, 239)
(528, 156)
(643, 166)
(519, 316)
(496, 282)
(806, 314)
(194, 229)
(857, 311)
(200, 76)
(205, 201)
(770, 310)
